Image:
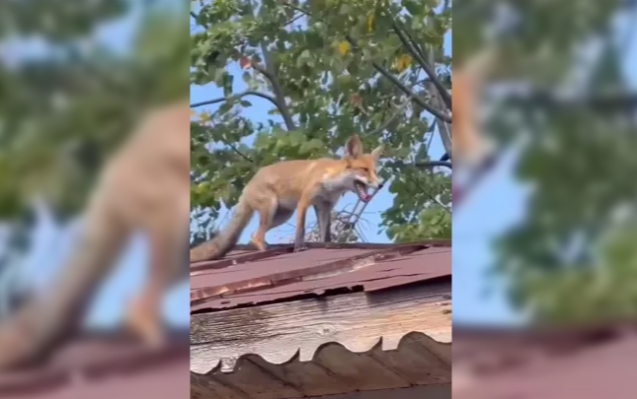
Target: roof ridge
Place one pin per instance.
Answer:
(279, 249)
(283, 278)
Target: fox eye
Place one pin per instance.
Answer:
(366, 170)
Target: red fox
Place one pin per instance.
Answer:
(144, 187)
(470, 146)
(277, 190)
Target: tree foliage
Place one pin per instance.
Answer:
(324, 71)
(66, 110)
(66, 106)
(570, 258)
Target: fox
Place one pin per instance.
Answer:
(469, 145)
(279, 189)
(144, 187)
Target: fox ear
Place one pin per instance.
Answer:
(378, 152)
(354, 147)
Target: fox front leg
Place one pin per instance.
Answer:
(324, 218)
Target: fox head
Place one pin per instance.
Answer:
(360, 169)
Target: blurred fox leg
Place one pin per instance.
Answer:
(168, 263)
(42, 324)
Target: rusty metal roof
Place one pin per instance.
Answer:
(586, 362)
(248, 277)
(104, 366)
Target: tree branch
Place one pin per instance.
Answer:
(278, 100)
(443, 206)
(236, 151)
(276, 87)
(411, 94)
(444, 129)
(236, 97)
(386, 74)
(389, 120)
(421, 165)
(408, 42)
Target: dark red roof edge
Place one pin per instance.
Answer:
(279, 249)
(544, 332)
(552, 339)
(387, 252)
(36, 380)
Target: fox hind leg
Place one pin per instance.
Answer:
(267, 210)
(168, 264)
(280, 216)
(144, 313)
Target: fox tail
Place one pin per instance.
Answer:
(225, 240)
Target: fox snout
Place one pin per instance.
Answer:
(375, 184)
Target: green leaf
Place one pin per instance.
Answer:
(310, 146)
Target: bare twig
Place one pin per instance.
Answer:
(293, 19)
(443, 206)
(444, 129)
(421, 165)
(389, 120)
(408, 92)
(236, 151)
(358, 214)
(237, 97)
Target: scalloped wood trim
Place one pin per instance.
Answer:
(281, 332)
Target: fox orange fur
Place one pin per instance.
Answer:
(277, 190)
(469, 145)
(143, 188)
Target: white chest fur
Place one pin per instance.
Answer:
(333, 188)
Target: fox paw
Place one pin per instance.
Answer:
(146, 325)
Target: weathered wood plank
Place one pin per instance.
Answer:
(259, 383)
(206, 387)
(361, 371)
(277, 332)
(310, 378)
(418, 365)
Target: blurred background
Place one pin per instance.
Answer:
(75, 78)
(544, 237)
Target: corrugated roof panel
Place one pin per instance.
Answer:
(85, 365)
(269, 266)
(356, 267)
